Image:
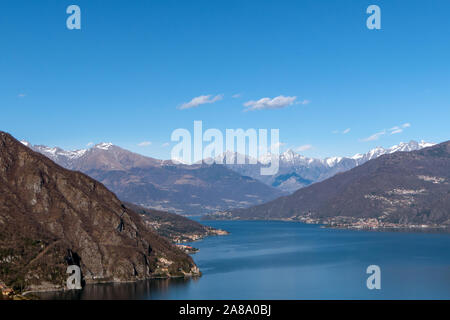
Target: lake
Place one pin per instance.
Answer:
(285, 260)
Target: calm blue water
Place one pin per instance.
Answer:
(283, 260)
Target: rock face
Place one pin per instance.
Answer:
(403, 187)
(46, 210)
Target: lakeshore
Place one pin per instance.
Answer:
(342, 222)
(285, 260)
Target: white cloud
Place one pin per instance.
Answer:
(303, 148)
(197, 101)
(391, 131)
(375, 136)
(395, 130)
(343, 132)
(399, 129)
(144, 144)
(304, 102)
(166, 144)
(268, 103)
(89, 144)
(237, 95)
(21, 95)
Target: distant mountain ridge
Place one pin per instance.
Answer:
(102, 156)
(160, 184)
(200, 188)
(402, 188)
(297, 171)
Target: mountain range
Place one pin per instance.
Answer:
(200, 188)
(161, 184)
(297, 171)
(403, 188)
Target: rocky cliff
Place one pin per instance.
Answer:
(49, 214)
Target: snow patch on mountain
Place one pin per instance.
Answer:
(290, 157)
(401, 147)
(25, 143)
(104, 146)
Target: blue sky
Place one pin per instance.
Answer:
(125, 76)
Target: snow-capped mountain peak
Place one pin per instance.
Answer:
(295, 169)
(332, 161)
(410, 146)
(234, 158)
(401, 147)
(289, 154)
(292, 158)
(58, 152)
(372, 154)
(104, 145)
(424, 144)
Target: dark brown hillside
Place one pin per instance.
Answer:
(173, 226)
(46, 210)
(194, 190)
(403, 187)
